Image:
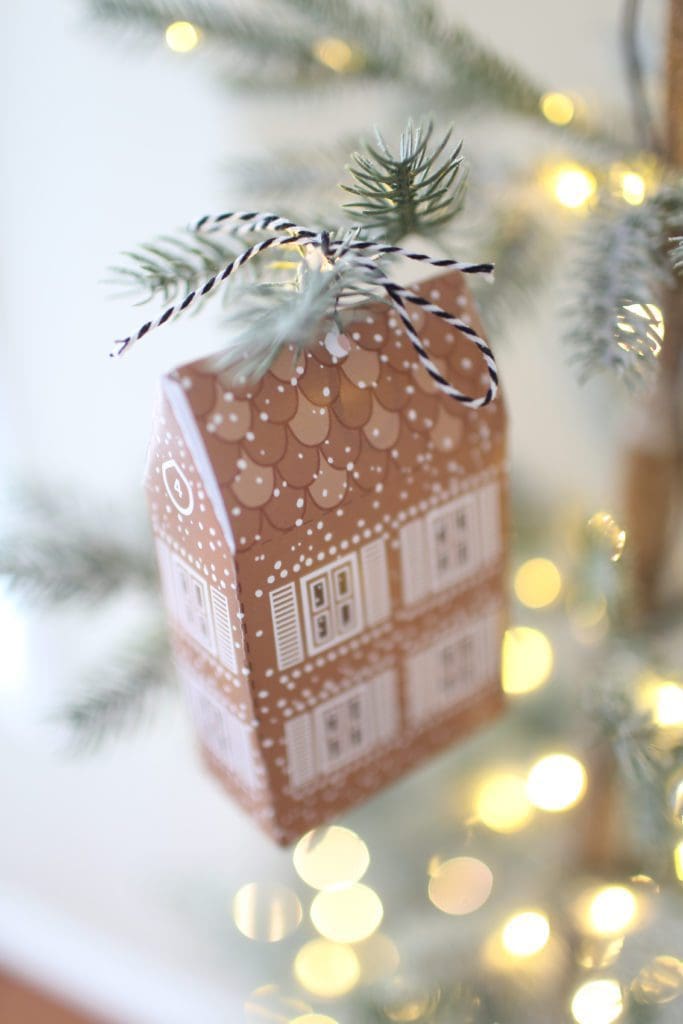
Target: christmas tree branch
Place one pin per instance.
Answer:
(622, 263)
(121, 692)
(55, 557)
(416, 192)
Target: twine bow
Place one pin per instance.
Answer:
(360, 253)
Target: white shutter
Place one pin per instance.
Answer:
(300, 750)
(286, 626)
(373, 558)
(384, 697)
(490, 531)
(166, 577)
(420, 679)
(221, 618)
(415, 573)
(241, 754)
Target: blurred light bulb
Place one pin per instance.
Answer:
(330, 857)
(460, 885)
(611, 910)
(667, 711)
(326, 969)
(537, 583)
(556, 782)
(572, 186)
(678, 860)
(525, 934)
(266, 912)
(313, 1018)
(632, 187)
(557, 107)
(347, 915)
(335, 54)
(527, 660)
(598, 1002)
(500, 802)
(606, 529)
(660, 981)
(652, 315)
(182, 36)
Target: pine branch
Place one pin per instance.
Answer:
(174, 265)
(121, 692)
(623, 262)
(55, 557)
(418, 191)
(271, 315)
(236, 29)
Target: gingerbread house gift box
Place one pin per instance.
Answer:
(331, 542)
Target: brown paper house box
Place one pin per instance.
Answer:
(331, 543)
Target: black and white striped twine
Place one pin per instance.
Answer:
(286, 232)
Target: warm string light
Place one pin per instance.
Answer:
(556, 783)
(525, 934)
(182, 36)
(678, 860)
(599, 1001)
(326, 969)
(330, 858)
(557, 108)
(266, 912)
(335, 54)
(501, 803)
(662, 699)
(350, 914)
(604, 527)
(460, 885)
(652, 315)
(572, 185)
(607, 911)
(659, 982)
(527, 660)
(537, 583)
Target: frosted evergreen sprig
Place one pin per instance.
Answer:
(415, 192)
(622, 263)
(172, 265)
(122, 691)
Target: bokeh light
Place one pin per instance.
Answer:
(558, 108)
(269, 1004)
(632, 187)
(182, 36)
(460, 885)
(572, 185)
(331, 857)
(653, 319)
(663, 698)
(408, 1002)
(537, 583)
(678, 860)
(525, 934)
(326, 969)
(266, 911)
(335, 54)
(527, 660)
(347, 915)
(604, 527)
(660, 981)
(501, 803)
(608, 910)
(556, 782)
(378, 958)
(598, 1002)
(313, 1018)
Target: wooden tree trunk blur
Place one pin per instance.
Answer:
(655, 448)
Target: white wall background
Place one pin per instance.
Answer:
(106, 143)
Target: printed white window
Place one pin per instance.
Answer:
(344, 729)
(332, 604)
(448, 672)
(193, 604)
(453, 541)
(224, 735)
(341, 731)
